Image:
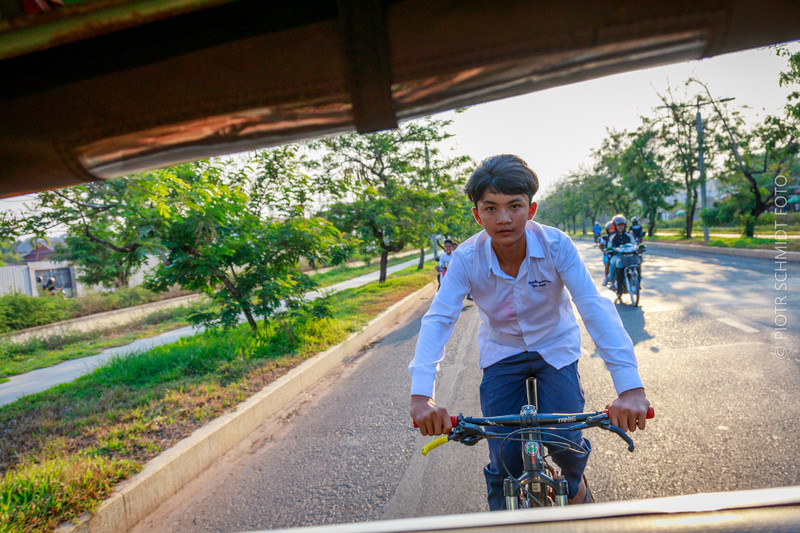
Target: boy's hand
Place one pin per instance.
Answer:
(431, 419)
(629, 410)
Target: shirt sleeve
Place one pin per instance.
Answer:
(600, 318)
(437, 327)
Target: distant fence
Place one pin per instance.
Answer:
(22, 278)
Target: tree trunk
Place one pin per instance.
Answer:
(750, 227)
(384, 263)
(421, 264)
(250, 320)
(691, 205)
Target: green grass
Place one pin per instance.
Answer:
(730, 242)
(107, 424)
(18, 358)
(344, 273)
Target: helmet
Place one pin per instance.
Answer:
(619, 219)
(635, 219)
(609, 225)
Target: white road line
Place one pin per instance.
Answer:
(737, 325)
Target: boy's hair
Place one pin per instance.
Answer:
(448, 241)
(504, 174)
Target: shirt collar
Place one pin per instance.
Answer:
(533, 245)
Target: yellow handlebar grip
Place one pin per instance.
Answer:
(434, 443)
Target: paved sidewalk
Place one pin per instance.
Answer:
(45, 378)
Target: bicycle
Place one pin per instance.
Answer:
(628, 275)
(539, 485)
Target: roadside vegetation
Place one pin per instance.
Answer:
(63, 450)
(18, 358)
(791, 245)
(657, 168)
(42, 352)
(19, 311)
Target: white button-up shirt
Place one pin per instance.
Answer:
(531, 312)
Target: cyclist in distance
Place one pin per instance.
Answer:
(602, 246)
(521, 275)
(597, 229)
(619, 238)
(637, 230)
(444, 260)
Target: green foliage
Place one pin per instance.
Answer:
(234, 230)
(20, 311)
(393, 185)
(676, 124)
(8, 253)
(758, 156)
(644, 173)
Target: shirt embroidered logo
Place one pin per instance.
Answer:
(536, 284)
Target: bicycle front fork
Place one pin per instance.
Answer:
(511, 490)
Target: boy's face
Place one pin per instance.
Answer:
(448, 248)
(504, 216)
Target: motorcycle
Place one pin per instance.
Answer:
(629, 272)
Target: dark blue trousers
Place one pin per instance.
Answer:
(503, 393)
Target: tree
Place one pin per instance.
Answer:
(100, 265)
(757, 158)
(643, 173)
(389, 183)
(210, 234)
(678, 133)
(8, 252)
(609, 168)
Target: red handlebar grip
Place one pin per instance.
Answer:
(650, 412)
(453, 421)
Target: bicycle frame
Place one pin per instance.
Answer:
(538, 485)
(534, 480)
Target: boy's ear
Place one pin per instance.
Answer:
(477, 216)
(532, 210)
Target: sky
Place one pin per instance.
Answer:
(555, 130)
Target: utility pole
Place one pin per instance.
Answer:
(701, 162)
(428, 175)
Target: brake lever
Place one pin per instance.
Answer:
(468, 434)
(622, 434)
(602, 422)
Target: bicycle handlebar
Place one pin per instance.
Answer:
(467, 430)
(540, 420)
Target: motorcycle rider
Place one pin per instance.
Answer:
(637, 230)
(620, 237)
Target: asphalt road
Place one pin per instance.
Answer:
(725, 394)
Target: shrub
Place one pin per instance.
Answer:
(19, 311)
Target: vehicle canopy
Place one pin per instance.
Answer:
(100, 88)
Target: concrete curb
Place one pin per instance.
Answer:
(164, 475)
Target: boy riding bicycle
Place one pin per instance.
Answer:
(444, 260)
(519, 273)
